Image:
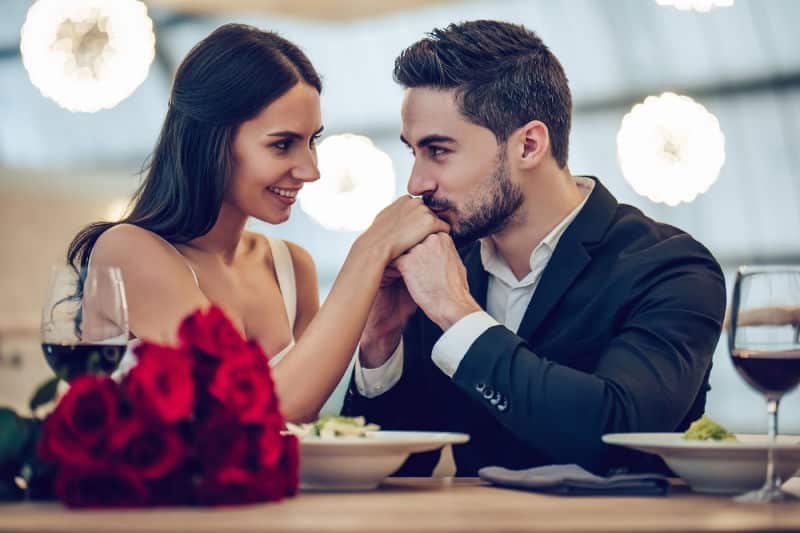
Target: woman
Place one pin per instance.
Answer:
(239, 141)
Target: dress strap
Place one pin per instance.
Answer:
(183, 257)
(284, 269)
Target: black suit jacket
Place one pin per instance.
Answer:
(618, 337)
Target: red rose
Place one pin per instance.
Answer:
(161, 383)
(290, 464)
(152, 451)
(271, 442)
(205, 368)
(75, 432)
(243, 384)
(196, 424)
(221, 440)
(227, 487)
(177, 488)
(235, 485)
(90, 407)
(211, 332)
(58, 444)
(271, 485)
(100, 485)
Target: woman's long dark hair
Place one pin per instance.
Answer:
(226, 79)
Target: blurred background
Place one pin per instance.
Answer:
(61, 169)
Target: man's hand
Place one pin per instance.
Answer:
(387, 318)
(436, 279)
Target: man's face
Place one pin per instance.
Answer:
(459, 168)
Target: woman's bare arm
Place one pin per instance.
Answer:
(308, 374)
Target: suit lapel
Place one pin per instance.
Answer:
(570, 257)
(477, 278)
(566, 264)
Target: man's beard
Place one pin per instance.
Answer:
(486, 212)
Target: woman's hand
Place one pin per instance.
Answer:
(400, 226)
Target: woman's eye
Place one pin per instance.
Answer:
(282, 145)
(314, 140)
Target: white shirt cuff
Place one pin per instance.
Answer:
(372, 382)
(453, 345)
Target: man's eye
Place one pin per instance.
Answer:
(436, 151)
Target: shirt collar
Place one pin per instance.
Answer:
(494, 264)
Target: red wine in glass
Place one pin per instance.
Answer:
(84, 320)
(772, 373)
(72, 360)
(764, 343)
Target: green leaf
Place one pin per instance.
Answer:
(14, 434)
(45, 393)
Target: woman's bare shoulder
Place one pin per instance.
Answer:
(160, 290)
(127, 244)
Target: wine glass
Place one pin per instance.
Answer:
(84, 320)
(764, 342)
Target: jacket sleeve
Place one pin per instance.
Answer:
(646, 379)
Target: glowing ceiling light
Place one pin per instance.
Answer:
(695, 5)
(670, 148)
(87, 55)
(356, 182)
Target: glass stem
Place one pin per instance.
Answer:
(773, 481)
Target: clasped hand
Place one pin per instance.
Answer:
(436, 280)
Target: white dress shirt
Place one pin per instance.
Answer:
(507, 299)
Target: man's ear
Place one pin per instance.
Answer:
(532, 144)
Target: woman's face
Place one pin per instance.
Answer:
(275, 155)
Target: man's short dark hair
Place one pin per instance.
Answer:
(503, 74)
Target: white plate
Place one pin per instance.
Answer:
(361, 463)
(722, 467)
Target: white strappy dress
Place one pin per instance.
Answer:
(284, 270)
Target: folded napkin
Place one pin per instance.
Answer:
(572, 480)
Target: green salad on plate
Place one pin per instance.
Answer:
(334, 426)
(706, 429)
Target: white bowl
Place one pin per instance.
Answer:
(361, 463)
(719, 467)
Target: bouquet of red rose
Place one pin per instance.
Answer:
(194, 425)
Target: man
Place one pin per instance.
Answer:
(565, 315)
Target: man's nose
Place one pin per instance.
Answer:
(420, 183)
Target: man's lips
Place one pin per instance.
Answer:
(439, 208)
(442, 213)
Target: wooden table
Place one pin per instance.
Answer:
(417, 504)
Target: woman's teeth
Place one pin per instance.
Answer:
(289, 193)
